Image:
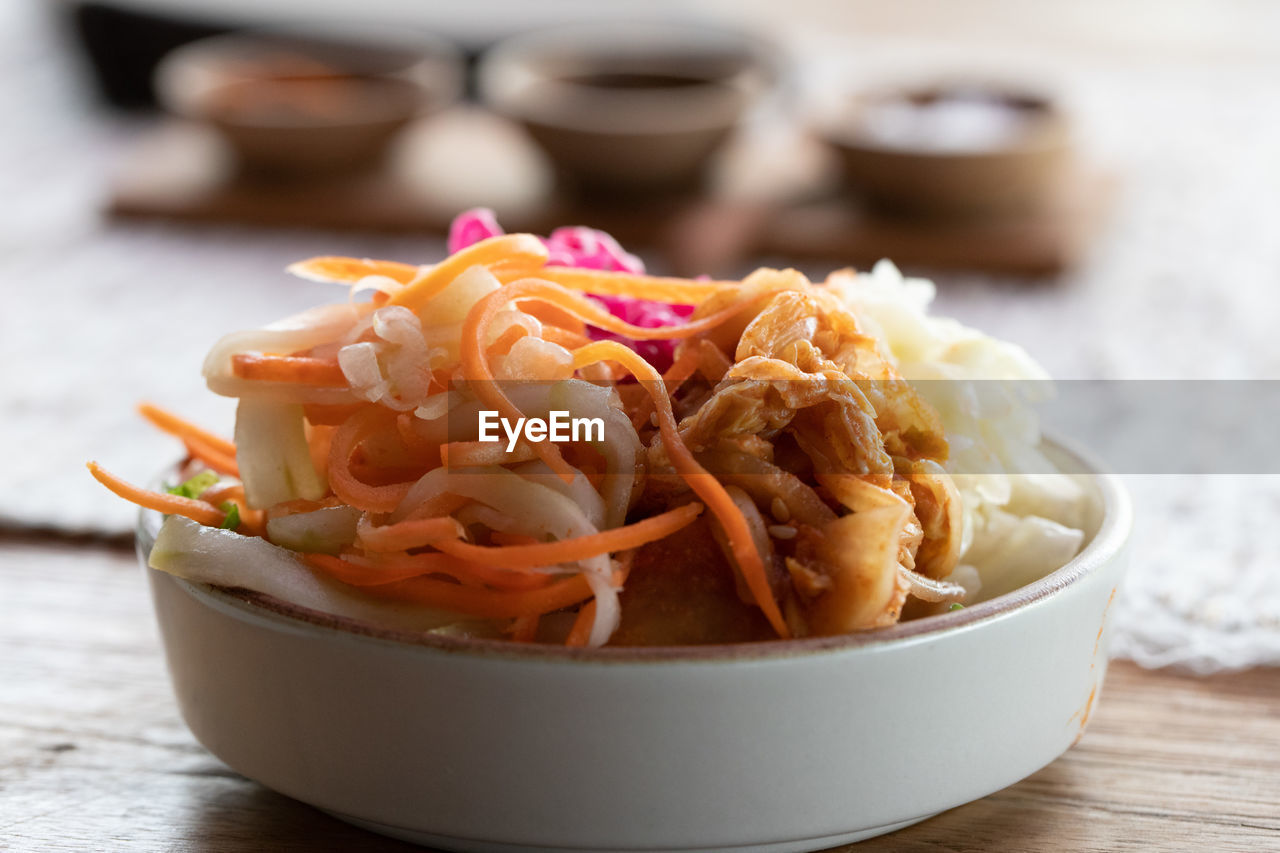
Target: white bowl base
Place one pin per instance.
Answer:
(467, 845)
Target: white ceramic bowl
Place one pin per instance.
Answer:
(780, 746)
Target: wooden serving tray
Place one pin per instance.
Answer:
(755, 207)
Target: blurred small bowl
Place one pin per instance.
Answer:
(635, 109)
(953, 150)
(304, 106)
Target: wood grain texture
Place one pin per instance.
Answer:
(94, 756)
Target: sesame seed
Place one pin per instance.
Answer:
(779, 510)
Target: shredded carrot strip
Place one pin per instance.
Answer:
(339, 270)
(211, 456)
(503, 344)
(411, 533)
(507, 579)
(191, 508)
(181, 428)
(215, 495)
(487, 604)
(302, 370)
(581, 630)
(544, 554)
(703, 483)
(378, 574)
(564, 337)
(343, 481)
(500, 252)
(404, 567)
(593, 313)
(682, 291)
(253, 522)
(685, 365)
(552, 315)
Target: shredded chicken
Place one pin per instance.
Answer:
(878, 518)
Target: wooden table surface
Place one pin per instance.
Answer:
(94, 756)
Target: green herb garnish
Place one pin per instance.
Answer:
(232, 521)
(196, 486)
(955, 605)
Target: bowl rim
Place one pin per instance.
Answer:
(1106, 543)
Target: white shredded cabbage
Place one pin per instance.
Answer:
(533, 359)
(1022, 517)
(406, 356)
(272, 454)
(438, 405)
(191, 551)
(381, 283)
(315, 327)
(359, 363)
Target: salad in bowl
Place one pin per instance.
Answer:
(533, 439)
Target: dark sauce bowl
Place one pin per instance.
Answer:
(635, 109)
(309, 105)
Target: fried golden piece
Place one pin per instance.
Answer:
(762, 396)
(806, 376)
(937, 506)
(767, 283)
(815, 332)
(860, 554)
(682, 591)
